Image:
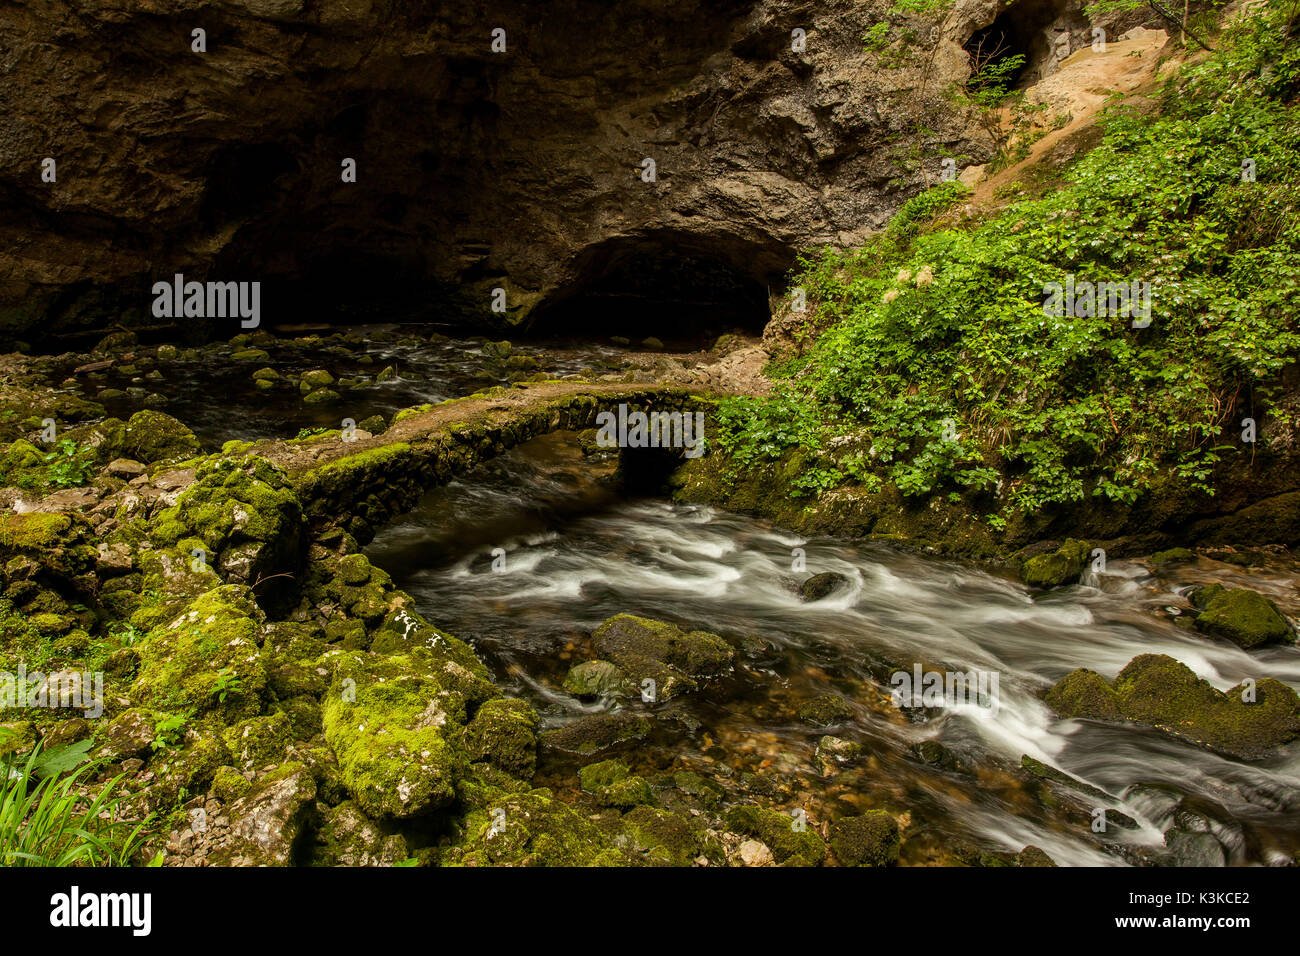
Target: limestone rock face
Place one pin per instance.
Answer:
(475, 169)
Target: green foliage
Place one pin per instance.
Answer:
(66, 465)
(168, 731)
(48, 817)
(226, 681)
(938, 369)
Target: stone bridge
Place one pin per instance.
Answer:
(363, 483)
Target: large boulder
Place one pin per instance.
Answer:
(1155, 689)
(1246, 618)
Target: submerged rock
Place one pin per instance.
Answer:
(597, 679)
(597, 732)
(1155, 689)
(822, 585)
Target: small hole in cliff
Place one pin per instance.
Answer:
(682, 293)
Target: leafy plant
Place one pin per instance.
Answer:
(226, 681)
(47, 820)
(168, 732)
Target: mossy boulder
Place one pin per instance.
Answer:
(1062, 566)
(789, 844)
(1033, 856)
(868, 840)
(504, 734)
(1155, 689)
(1246, 618)
(266, 824)
(390, 720)
(148, 436)
(347, 837)
(612, 784)
(676, 660)
(210, 646)
(246, 516)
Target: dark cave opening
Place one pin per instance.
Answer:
(675, 288)
(1028, 29)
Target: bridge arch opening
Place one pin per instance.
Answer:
(679, 289)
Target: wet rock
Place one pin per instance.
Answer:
(708, 793)
(504, 733)
(1192, 849)
(1044, 772)
(1244, 617)
(1155, 689)
(935, 754)
(1171, 557)
(597, 679)
(597, 732)
(789, 844)
(1062, 566)
(673, 658)
(868, 840)
(825, 710)
(833, 753)
(662, 838)
(250, 355)
(1033, 856)
(755, 853)
(317, 378)
(822, 585)
(320, 397)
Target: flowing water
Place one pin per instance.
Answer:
(575, 554)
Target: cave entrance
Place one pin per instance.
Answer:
(1037, 32)
(678, 290)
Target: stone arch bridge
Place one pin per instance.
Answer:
(362, 484)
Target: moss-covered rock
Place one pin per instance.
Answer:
(1033, 856)
(504, 733)
(1155, 689)
(673, 658)
(789, 845)
(148, 436)
(597, 732)
(598, 679)
(347, 837)
(1246, 618)
(868, 840)
(662, 838)
(613, 785)
(1062, 566)
(825, 710)
(528, 829)
(208, 652)
(389, 720)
